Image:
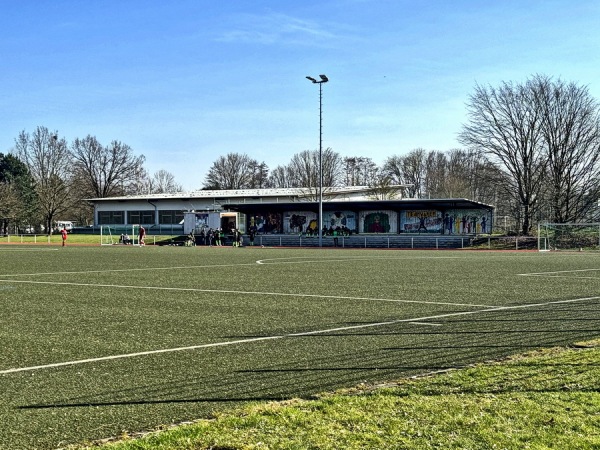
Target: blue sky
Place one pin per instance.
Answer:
(183, 82)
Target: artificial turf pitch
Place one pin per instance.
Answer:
(98, 340)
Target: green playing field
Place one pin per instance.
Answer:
(97, 340)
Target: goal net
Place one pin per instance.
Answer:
(106, 237)
(125, 234)
(569, 236)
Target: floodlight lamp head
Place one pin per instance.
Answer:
(311, 79)
(324, 78)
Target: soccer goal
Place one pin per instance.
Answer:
(568, 237)
(106, 237)
(110, 235)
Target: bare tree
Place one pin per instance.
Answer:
(359, 171)
(163, 182)
(140, 184)
(505, 123)
(233, 171)
(332, 168)
(436, 173)
(466, 175)
(408, 169)
(105, 171)
(304, 170)
(48, 160)
(280, 177)
(260, 176)
(571, 134)
(384, 188)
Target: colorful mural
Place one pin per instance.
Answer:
(421, 221)
(378, 222)
(452, 221)
(308, 222)
(467, 221)
(201, 221)
(265, 223)
(299, 221)
(341, 220)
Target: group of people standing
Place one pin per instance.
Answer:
(216, 237)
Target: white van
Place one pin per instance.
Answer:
(66, 224)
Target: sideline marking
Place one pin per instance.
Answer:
(28, 250)
(430, 324)
(284, 336)
(227, 291)
(304, 259)
(541, 274)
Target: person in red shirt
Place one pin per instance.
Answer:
(63, 232)
(142, 235)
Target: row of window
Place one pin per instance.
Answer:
(146, 217)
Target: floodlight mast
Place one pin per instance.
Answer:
(324, 79)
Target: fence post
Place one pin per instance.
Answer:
(437, 247)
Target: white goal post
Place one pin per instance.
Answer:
(568, 237)
(111, 234)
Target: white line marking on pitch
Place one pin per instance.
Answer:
(28, 250)
(275, 261)
(542, 274)
(284, 336)
(226, 291)
(430, 324)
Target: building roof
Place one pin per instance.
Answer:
(354, 191)
(329, 205)
(287, 199)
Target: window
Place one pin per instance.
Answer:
(170, 217)
(140, 217)
(110, 217)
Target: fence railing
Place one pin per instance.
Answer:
(353, 241)
(505, 242)
(31, 238)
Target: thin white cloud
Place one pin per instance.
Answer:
(272, 28)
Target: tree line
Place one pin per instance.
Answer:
(44, 178)
(531, 149)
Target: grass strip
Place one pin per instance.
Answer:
(548, 398)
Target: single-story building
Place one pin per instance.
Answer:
(354, 209)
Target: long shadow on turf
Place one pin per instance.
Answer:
(424, 333)
(260, 399)
(150, 402)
